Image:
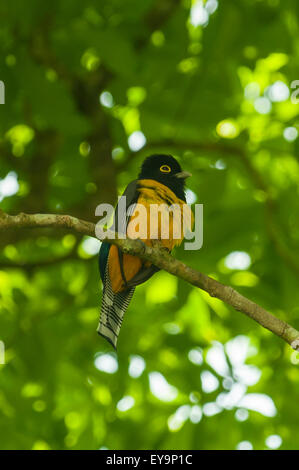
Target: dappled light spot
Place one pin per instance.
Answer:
(277, 92)
(88, 315)
(244, 278)
(194, 397)
(73, 420)
(130, 118)
(247, 374)
(259, 402)
(200, 12)
(90, 60)
(39, 406)
(172, 328)
(51, 75)
(19, 136)
(217, 360)
(195, 356)
(195, 48)
(68, 241)
(7, 284)
(227, 383)
(238, 260)
(241, 415)
(228, 129)
(209, 382)
(220, 165)
(231, 399)
(158, 38)
(211, 6)
(237, 349)
(126, 403)
(252, 91)
(91, 188)
(106, 99)
(211, 409)
(136, 95)
(160, 388)
(273, 61)
(191, 197)
(195, 414)
(41, 445)
(295, 357)
(106, 363)
(84, 149)
(24, 188)
(262, 105)
(216, 304)
(10, 60)
(91, 245)
(244, 445)
(92, 16)
(188, 65)
(290, 134)
(10, 252)
(136, 366)
(9, 185)
(136, 141)
(118, 153)
(162, 288)
(176, 421)
(274, 441)
(102, 394)
(260, 196)
(169, 357)
(32, 389)
(71, 439)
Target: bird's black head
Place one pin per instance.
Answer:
(166, 170)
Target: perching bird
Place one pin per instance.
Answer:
(160, 181)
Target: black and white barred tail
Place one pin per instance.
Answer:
(113, 309)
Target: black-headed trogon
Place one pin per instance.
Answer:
(161, 181)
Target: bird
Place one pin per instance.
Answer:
(161, 181)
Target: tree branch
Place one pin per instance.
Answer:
(164, 261)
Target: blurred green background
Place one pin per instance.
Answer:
(91, 89)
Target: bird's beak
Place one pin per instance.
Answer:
(183, 174)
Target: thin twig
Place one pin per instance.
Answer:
(164, 261)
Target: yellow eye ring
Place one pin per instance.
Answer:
(165, 169)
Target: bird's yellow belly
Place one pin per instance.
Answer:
(153, 222)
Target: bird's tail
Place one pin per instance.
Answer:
(114, 306)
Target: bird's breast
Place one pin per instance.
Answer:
(159, 215)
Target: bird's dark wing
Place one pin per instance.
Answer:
(143, 275)
(131, 196)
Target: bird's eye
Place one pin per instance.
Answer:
(165, 169)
